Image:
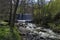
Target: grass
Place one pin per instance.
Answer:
(5, 33)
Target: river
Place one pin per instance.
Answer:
(32, 32)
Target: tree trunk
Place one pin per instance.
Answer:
(14, 14)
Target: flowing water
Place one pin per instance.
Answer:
(37, 33)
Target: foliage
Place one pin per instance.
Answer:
(5, 33)
(47, 15)
(54, 9)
